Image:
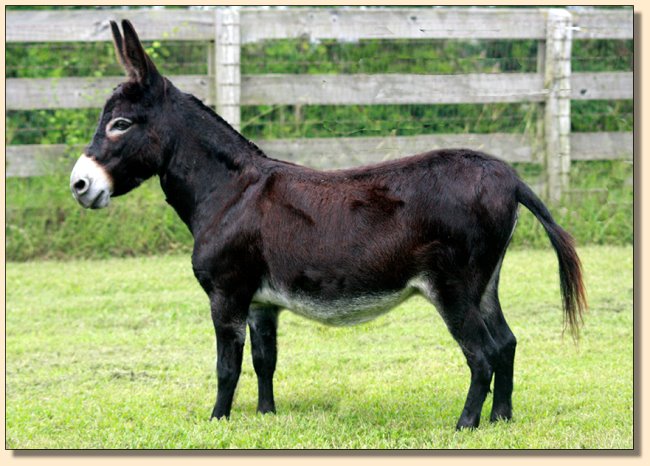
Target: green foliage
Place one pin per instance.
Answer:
(605, 115)
(43, 221)
(60, 126)
(272, 122)
(54, 60)
(301, 56)
(119, 353)
(602, 55)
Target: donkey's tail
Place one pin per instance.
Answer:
(571, 285)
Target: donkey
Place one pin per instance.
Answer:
(340, 247)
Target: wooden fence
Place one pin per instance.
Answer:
(553, 85)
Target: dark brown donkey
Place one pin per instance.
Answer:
(340, 247)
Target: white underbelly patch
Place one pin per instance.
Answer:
(342, 311)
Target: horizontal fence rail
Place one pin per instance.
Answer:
(550, 86)
(316, 24)
(331, 89)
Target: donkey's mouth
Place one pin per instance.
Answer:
(101, 201)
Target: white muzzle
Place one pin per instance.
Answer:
(90, 184)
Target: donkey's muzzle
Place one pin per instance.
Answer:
(90, 183)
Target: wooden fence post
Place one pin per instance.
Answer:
(227, 49)
(557, 119)
(538, 142)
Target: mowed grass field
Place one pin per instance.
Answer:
(117, 354)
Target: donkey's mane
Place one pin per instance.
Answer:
(223, 122)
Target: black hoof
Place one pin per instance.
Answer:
(266, 410)
(467, 423)
(460, 427)
(219, 416)
(501, 415)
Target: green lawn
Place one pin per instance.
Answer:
(120, 354)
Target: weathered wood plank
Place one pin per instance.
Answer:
(612, 85)
(361, 89)
(335, 153)
(37, 160)
(44, 93)
(602, 146)
(341, 23)
(351, 24)
(258, 24)
(93, 25)
(279, 89)
(49, 93)
(24, 94)
(603, 24)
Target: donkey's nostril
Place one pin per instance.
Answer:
(81, 186)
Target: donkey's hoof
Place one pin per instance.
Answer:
(266, 409)
(219, 416)
(503, 415)
(467, 423)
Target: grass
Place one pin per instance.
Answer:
(119, 353)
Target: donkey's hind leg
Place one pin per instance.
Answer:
(480, 351)
(506, 344)
(263, 324)
(464, 321)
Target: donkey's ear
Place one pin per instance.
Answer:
(137, 63)
(118, 43)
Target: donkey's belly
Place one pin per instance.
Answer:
(340, 311)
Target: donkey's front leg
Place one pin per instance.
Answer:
(229, 318)
(263, 324)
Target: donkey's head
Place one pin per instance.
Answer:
(128, 145)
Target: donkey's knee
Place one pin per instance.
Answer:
(507, 351)
(481, 367)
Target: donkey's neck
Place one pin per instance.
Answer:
(209, 166)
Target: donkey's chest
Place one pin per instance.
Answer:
(345, 310)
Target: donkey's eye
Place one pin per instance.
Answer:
(119, 125)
